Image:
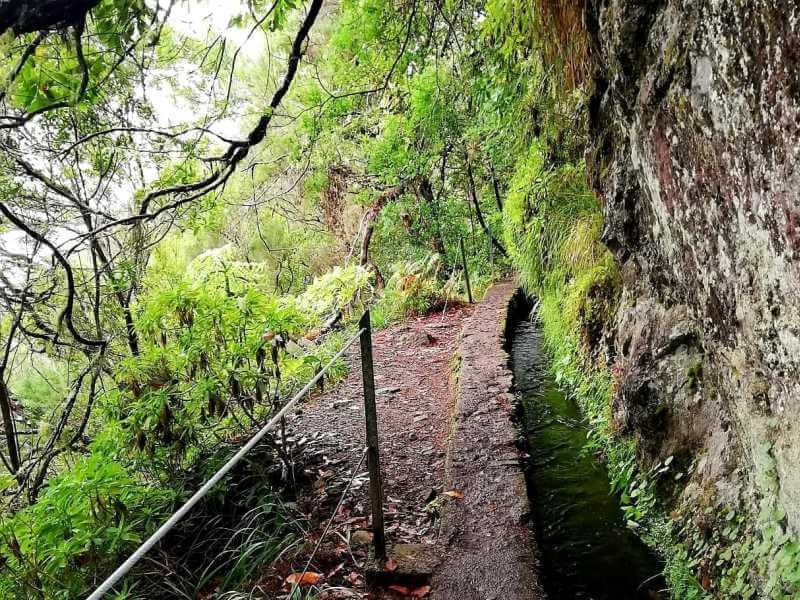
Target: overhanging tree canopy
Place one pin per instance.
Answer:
(29, 16)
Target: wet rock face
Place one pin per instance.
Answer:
(696, 124)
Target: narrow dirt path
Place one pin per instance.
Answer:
(489, 548)
(414, 376)
(456, 505)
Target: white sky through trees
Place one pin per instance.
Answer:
(204, 21)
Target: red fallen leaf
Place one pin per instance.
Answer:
(419, 592)
(301, 579)
(391, 565)
(400, 589)
(354, 578)
(455, 494)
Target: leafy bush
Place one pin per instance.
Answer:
(417, 288)
(548, 213)
(218, 354)
(84, 520)
(348, 289)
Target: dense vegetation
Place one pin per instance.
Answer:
(186, 208)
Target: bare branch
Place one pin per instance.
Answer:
(66, 314)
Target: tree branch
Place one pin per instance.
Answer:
(66, 314)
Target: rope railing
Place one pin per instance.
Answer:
(134, 558)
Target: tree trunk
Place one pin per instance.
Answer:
(425, 191)
(473, 195)
(8, 426)
(369, 228)
(28, 16)
(498, 197)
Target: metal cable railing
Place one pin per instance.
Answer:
(124, 568)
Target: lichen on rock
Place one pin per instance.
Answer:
(696, 129)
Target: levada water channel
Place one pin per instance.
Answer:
(586, 550)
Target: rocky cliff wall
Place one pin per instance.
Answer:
(696, 152)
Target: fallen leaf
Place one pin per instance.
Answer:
(455, 494)
(301, 579)
(400, 589)
(391, 565)
(419, 592)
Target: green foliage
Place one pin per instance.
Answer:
(228, 307)
(209, 360)
(242, 549)
(553, 30)
(55, 74)
(416, 288)
(756, 555)
(551, 220)
(348, 289)
(178, 383)
(85, 519)
(39, 387)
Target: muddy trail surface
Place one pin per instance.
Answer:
(456, 506)
(414, 375)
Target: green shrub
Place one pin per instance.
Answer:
(85, 519)
(416, 288)
(219, 352)
(348, 289)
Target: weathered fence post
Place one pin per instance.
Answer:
(466, 270)
(373, 457)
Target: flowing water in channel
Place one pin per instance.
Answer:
(587, 552)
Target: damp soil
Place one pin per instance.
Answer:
(586, 550)
(413, 379)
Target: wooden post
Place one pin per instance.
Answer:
(466, 270)
(373, 456)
